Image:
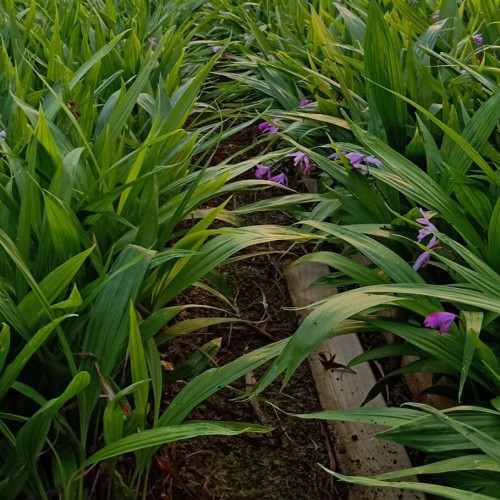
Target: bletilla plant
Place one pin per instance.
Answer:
(413, 125)
(97, 175)
(109, 119)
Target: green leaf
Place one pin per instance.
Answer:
(211, 381)
(460, 141)
(217, 250)
(155, 372)
(390, 417)
(384, 71)
(4, 344)
(108, 328)
(395, 266)
(318, 326)
(438, 490)
(116, 412)
(67, 234)
(32, 436)
(195, 364)
(494, 238)
(385, 351)
(163, 435)
(482, 440)
(138, 366)
(432, 435)
(410, 180)
(473, 322)
(476, 134)
(19, 362)
(51, 106)
(52, 285)
(472, 197)
(467, 462)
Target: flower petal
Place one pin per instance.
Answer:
(442, 320)
(305, 103)
(355, 158)
(262, 171)
(371, 160)
(280, 179)
(422, 259)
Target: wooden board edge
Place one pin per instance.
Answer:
(356, 452)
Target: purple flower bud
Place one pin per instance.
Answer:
(428, 228)
(262, 171)
(424, 257)
(371, 160)
(216, 48)
(436, 15)
(280, 179)
(422, 260)
(268, 128)
(305, 103)
(359, 161)
(355, 158)
(246, 37)
(478, 39)
(440, 320)
(3, 133)
(153, 42)
(301, 160)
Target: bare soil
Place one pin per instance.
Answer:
(284, 463)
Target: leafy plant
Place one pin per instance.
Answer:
(407, 100)
(98, 179)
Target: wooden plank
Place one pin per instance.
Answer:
(356, 452)
(419, 382)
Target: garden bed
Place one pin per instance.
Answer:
(159, 336)
(287, 460)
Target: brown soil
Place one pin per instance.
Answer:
(279, 465)
(284, 463)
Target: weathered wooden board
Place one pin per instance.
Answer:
(356, 452)
(419, 382)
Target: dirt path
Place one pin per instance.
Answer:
(279, 465)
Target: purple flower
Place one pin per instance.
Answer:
(280, 179)
(269, 128)
(478, 39)
(262, 171)
(359, 161)
(301, 160)
(246, 37)
(424, 257)
(442, 320)
(355, 159)
(153, 42)
(428, 228)
(436, 15)
(305, 103)
(3, 133)
(216, 48)
(422, 260)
